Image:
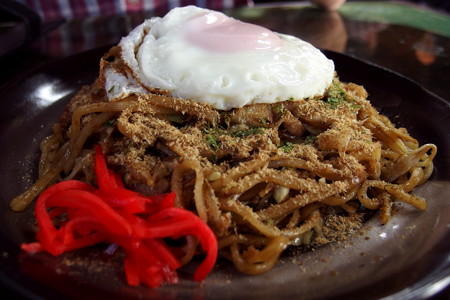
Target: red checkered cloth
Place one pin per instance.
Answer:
(51, 10)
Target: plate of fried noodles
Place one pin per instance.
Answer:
(331, 209)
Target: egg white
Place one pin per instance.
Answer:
(119, 86)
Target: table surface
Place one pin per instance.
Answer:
(411, 40)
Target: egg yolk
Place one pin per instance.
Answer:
(218, 33)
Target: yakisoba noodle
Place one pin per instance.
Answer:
(263, 177)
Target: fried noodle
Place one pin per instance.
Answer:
(263, 177)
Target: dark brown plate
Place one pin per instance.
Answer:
(409, 257)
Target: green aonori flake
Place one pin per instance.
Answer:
(279, 109)
(211, 135)
(111, 89)
(286, 147)
(310, 139)
(245, 133)
(335, 95)
(212, 141)
(110, 123)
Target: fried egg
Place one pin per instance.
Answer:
(203, 55)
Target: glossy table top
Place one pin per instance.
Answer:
(411, 40)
